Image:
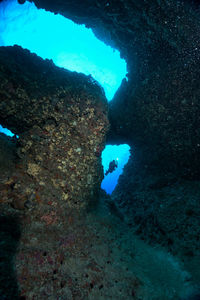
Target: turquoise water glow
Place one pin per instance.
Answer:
(6, 131)
(69, 45)
(120, 153)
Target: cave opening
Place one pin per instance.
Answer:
(143, 241)
(55, 37)
(7, 132)
(120, 154)
(70, 46)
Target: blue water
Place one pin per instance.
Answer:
(6, 131)
(119, 153)
(69, 45)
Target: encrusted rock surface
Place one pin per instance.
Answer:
(61, 118)
(96, 256)
(55, 169)
(159, 191)
(156, 112)
(163, 209)
(8, 155)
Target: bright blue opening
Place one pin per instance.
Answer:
(6, 131)
(120, 153)
(69, 45)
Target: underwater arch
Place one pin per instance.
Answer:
(69, 45)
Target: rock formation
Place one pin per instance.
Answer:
(61, 120)
(54, 168)
(55, 112)
(159, 190)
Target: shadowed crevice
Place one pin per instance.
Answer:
(9, 240)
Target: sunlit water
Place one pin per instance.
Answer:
(119, 153)
(55, 37)
(6, 131)
(73, 47)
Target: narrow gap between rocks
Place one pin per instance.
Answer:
(114, 158)
(57, 38)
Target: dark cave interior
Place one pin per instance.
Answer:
(64, 238)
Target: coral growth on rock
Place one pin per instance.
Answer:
(156, 112)
(54, 170)
(55, 167)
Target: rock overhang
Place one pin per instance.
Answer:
(148, 185)
(50, 177)
(33, 80)
(61, 119)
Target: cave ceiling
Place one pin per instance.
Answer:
(53, 172)
(134, 27)
(160, 42)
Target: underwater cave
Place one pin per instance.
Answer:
(43, 33)
(119, 154)
(68, 229)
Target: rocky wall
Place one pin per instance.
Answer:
(159, 191)
(162, 208)
(61, 120)
(157, 110)
(160, 42)
(52, 173)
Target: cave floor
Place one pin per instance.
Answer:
(102, 260)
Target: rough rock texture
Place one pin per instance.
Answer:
(163, 209)
(54, 169)
(159, 192)
(61, 118)
(156, 111)
(8, 155)
(98, 257)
